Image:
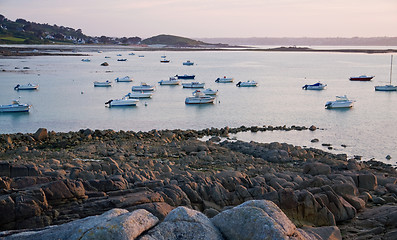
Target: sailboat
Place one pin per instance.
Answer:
(387, 87)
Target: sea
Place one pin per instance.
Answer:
(68, 101)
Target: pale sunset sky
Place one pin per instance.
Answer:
(213, 18)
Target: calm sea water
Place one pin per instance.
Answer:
(67, 100)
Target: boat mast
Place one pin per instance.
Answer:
(391, 67)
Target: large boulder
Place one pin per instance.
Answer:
(316, 169)
(113, 224)
(40, 134)
(184, 223)
(256, 219)
(367, 181)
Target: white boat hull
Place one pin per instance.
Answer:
(193, 85)
(123, 102)
(386, 88)
(339, 104)
(26, 87)
(224, 80)
(199, 100)
(124, 79)
(14, 108)
(140, 95)
(170, 82)
(102, 84)
(247, 84)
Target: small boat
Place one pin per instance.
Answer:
(132, 54)
(15, 106)
(125, 101)
(185, 76)
(193, 85)
(199, 98)
(28, 86)
(119, 55)
(86, 60)
(124, 79)
(103, 84)
(361, 78)
(208, 91)
(107, 57)
(247, 84)
(224, 80)
(122, 59)
(341, 102)
(188, 63)
(171, 81)
(164, 60)
(143, 87)
(141, 55)
(388, 87)
(316, 86)
(140, 94)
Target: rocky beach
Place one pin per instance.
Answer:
(188, 184)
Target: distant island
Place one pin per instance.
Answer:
(22, 31)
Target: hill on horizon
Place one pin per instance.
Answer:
(171, 40)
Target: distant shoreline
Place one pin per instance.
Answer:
(72, 50)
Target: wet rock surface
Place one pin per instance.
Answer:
(50, 178)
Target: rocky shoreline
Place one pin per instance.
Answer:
(50, 178)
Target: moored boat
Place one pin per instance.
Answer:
(316, 86)
(340, 102)
(388, 87)
(171, 81)
(185, 76)
(122, 59)
(224, 80)
(199, 98)
(86, 60)
(208, 91)
(361, 78)
(125, 101)
(248, 83)
(123, 79)
(140, 94)
(164, 60)
(188, 63)
(28, 86)
(193, 85)
(143, 87)
(103, 84)
(15, 106)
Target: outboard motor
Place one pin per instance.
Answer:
(217, 80)
(108, 102)
(17, 87)
(238, 84)
(304, 87)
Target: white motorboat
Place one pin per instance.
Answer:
(141, 94)
(199, 98)
(164, 60)
(125, 101)
(224, 80)
(248, 83)
(28, 86)
(316, 86)
(124, 79)
(143, 87)
(208, 91)
(15, 106)
(341, 102)
(188, 63)
(171, 81)
(103, 84)
(388, 87)
(193, 85)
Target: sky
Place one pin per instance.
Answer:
(213, 18)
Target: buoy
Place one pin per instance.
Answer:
(82, 92)
(145, 103)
